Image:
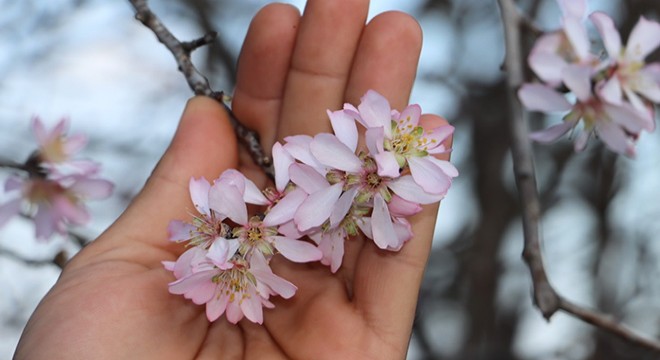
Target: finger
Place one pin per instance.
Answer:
(262, 69)
(386, 62)
(387, 283)
(328, 36)
(204, 145)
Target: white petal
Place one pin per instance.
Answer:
(608, 32)
(281, 162)
(317, 207)
(578, 79)
(375, 111)
(552, 133)
(343, 125)
(429, 176)
(329, 151)
(298, 147)
(296, 250)
(381, 224)
(307, 178)
(253, 195)
(541, 98)
(342, 206)
(615, 138)
(285, 209)
(610, 91)
(577, 35)
(408, 189)
(227, 200)
(644, 38)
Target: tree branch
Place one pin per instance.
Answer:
(198, 82)
(545, 297)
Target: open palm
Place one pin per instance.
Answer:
(112, 299)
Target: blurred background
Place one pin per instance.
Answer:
(90, 61)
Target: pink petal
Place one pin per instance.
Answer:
(644, 38)
(74, 143)
(438, 135)
(317, 207)
(577, 35)
(374, 138)
(627, 117)
(9, 209)
(253, 195)
(263, 273)
(234, 178)
(307, 178)
(93, 188)
(343, 125)
(227, 201)
(39, 131)
(342, 206)
(608, 32)
(610, 91)
(329, 151)
(14, 183)
(281, 162)
(221, 251)
(581, 141)
(387, 164)
(552, 133)
(541, 98)
(410, 116)
(381, 225)
(403, 232)
(428, 175)
(199, 193)
(72, 212)
(285, 209)
(251, 307)
(400, 207)
(332, 246)
(290, 230)
(45, 222)
(216, 307)
(548, 66)
(197, 287)
(298, 147)
(188, 261)
(234, 313)
(296, 250)
(179, 231)
(615, 138)
(365, 226)
(375, 111)
(407, 188)
(578, 79)
(649, 82)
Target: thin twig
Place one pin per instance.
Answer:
(198, 82)
(545, 296)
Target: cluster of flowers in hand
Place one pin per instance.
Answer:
(614, 93)
(327, 189)
(54, 185)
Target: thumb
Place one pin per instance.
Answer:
(204, 145)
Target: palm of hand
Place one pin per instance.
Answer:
(112, 300)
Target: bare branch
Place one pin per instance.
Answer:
(545, 297)
(198, 82)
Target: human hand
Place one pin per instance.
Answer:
(111, 300)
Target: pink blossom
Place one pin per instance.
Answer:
(56, 149)
(255, 234)
(54, 204)
(627, 77)
(617, 125)
(232, 286)
(396, 139)
(553, 51)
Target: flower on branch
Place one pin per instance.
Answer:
(614, 94)
(56, 185)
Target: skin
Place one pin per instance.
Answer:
(112, 302)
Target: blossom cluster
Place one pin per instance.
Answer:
(56, 184)
(614, 91)
(327, 188)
